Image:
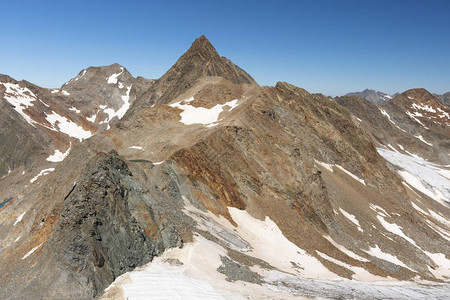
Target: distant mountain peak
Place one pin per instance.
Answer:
(373, 96)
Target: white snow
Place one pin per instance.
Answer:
(136, 147)
(163, 281)
(18, 238)
(443, 265)
(58, 156)
(420, 174)
(21, 98)
(359, 273)
(82, 74)
(42, 173)
(352, 218)
(92, 118)
(55, 91)
(113, 78)
(267, 239)
(158, 163)
(377, 252)
(75, 109)
(67, 126)
(351, 174)
(31, 251)
(389, 118)
(392, 148)
(395, 229)
(65, 92)
(329, 167)
(439, 218)
(345, 250)
(419, 209)
(379, 210)
(120, 85)
(44, 103)
(201, 115)
(413, 116)
(423, 107)
(19, 218)
(121, 111)
(421, 138)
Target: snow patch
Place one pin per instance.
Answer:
(352, 218)
(421, 138)
(136, 147)
(121, 111)
(19, 218)
(377, 252)
(359, 273)
(419, 209)
(395, 229)
(201, 115)
(113, 78)
(423, 107)
(21, 98)
(31, 251)
(65, 92)
(75, 109)
(351, 174)
(42, 173)
(92, 118)
(67, 126)
(329, 167)
(345, 250)
(58, 155)
(82, 74)
(413, 116)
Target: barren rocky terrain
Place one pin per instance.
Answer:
(204, 184)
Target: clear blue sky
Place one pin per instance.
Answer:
(332, 47)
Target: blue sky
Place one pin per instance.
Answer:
(332, 47)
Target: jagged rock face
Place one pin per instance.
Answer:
(272, 178)
(108, 223)
(373, 96)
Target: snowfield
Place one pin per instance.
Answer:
(424, 176)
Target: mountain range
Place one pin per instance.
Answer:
(203, 183)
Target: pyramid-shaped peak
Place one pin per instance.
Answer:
(201, 40)
(202, 47)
